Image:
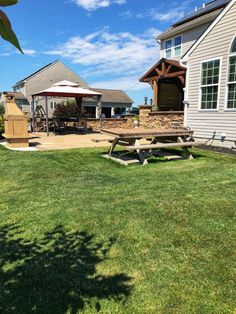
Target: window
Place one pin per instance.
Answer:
(210, 74)
(177, 46)
(173, 47)
(53, 104)
(231, 99)
(168, 48)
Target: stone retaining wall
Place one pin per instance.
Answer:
(124, 123)
(148, 119)
(159, 119)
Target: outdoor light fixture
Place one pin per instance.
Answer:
(151, 102)
(145, 100)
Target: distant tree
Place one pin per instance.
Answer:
(2, 110)
(6, 31)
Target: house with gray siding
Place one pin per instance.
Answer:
(113, 101)
(198, 70)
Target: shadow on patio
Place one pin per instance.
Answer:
(56, 274)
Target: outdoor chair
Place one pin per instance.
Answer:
(82, 125)
(59, 127)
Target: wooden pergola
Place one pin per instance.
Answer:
(163, 69)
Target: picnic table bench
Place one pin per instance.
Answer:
(130, 138)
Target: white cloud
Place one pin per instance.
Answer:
(10, 51)
(129, 14)
(170, 15)
(29, 52)
(161, 13)
(115, 54)
(128, 83)
(91, 5)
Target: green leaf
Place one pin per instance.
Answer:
(5, 3)
(7, 32)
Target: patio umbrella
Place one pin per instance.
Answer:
(66, 89)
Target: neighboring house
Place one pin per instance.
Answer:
(198, 69)
(20, 99)
(113, 102)
(57, 71)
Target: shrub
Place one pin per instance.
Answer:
(68, 109)
(1, 120)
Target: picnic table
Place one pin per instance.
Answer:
(131, 140)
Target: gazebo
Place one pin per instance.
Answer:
(68, 90)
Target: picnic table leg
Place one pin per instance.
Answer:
(186, 151)
(140, 154)
(113, 145)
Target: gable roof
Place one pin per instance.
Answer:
(46, 67)
(208, 30)
(164, 68)
(204, 15)
(207, 8)
(112, 96)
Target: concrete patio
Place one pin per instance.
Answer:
(40, 141)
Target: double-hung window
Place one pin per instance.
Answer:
(231, 99)
(177, 46)
(168, 49)
(173, 47)
(210, 78)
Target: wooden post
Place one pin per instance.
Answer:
(33, 114)
(79, 102)
(99, 105)
(46, 105)
(155, 94)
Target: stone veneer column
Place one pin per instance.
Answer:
(144, 115)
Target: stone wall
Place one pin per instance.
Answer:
(124, 123)
(147, 118)
(159, 119)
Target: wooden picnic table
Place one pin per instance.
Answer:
(130, 139)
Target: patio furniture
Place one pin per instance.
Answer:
(82, 125)
(59, 126)
(130, 139)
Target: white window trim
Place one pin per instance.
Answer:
(230, 54)
(200, 86)
(172, 49)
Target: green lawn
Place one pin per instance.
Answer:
(79, 233)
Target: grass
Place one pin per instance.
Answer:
(79, 233)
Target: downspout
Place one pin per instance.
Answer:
(186, 100)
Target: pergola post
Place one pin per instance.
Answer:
(79, 102)
(33, 114)
(155, 94)
(46, 107)
(99, 106)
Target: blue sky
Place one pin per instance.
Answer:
(109, 43)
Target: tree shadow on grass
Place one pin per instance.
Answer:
(56, 274)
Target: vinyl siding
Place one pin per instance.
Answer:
(189, 38)
(215, 45)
